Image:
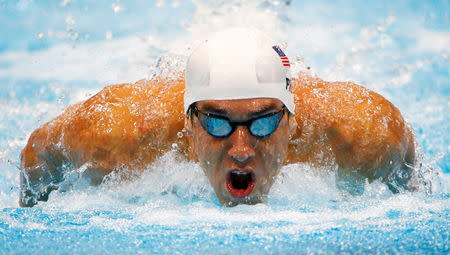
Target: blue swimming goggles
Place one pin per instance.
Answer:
(219, 126)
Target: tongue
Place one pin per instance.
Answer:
(240, 183)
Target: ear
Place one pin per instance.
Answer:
(292, 124)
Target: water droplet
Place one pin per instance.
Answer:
(116, 8)
(108, 35)
(70, 20)
(175, 3)
(65, 2)
(160, 3)
(180, 134)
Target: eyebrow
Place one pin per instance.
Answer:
(224, 113)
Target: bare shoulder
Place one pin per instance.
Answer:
(117, 126)
(349, 125)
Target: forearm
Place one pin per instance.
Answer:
(41, 172)
(35, 185)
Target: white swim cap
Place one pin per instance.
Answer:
(238, 63)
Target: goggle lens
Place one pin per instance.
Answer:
(215, 126)
(221, 127)
(264, 126)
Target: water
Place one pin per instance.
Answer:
(53, 54)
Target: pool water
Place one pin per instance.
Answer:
(53, 54)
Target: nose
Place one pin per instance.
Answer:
(241, 150)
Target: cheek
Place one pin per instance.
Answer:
(208, 151)
(273, 155)
(273, 150)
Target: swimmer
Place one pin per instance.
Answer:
(238, 113)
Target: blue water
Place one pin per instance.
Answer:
(56, 53)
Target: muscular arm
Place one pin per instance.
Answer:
(358, 130)
(126, 125)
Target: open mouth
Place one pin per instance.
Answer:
(240, 183)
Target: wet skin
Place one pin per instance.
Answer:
(241, 151)
(340, 125)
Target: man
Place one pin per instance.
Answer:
(243, 118)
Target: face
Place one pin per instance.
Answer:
(241, 167)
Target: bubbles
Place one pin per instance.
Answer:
(170, 66)
(65, 2)
(298, 66)
(116, 8)
(108, 35)
(173, 199)
(170, 181)
(70, 20)
(160, 3)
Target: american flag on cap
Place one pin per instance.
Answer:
(283, 57)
